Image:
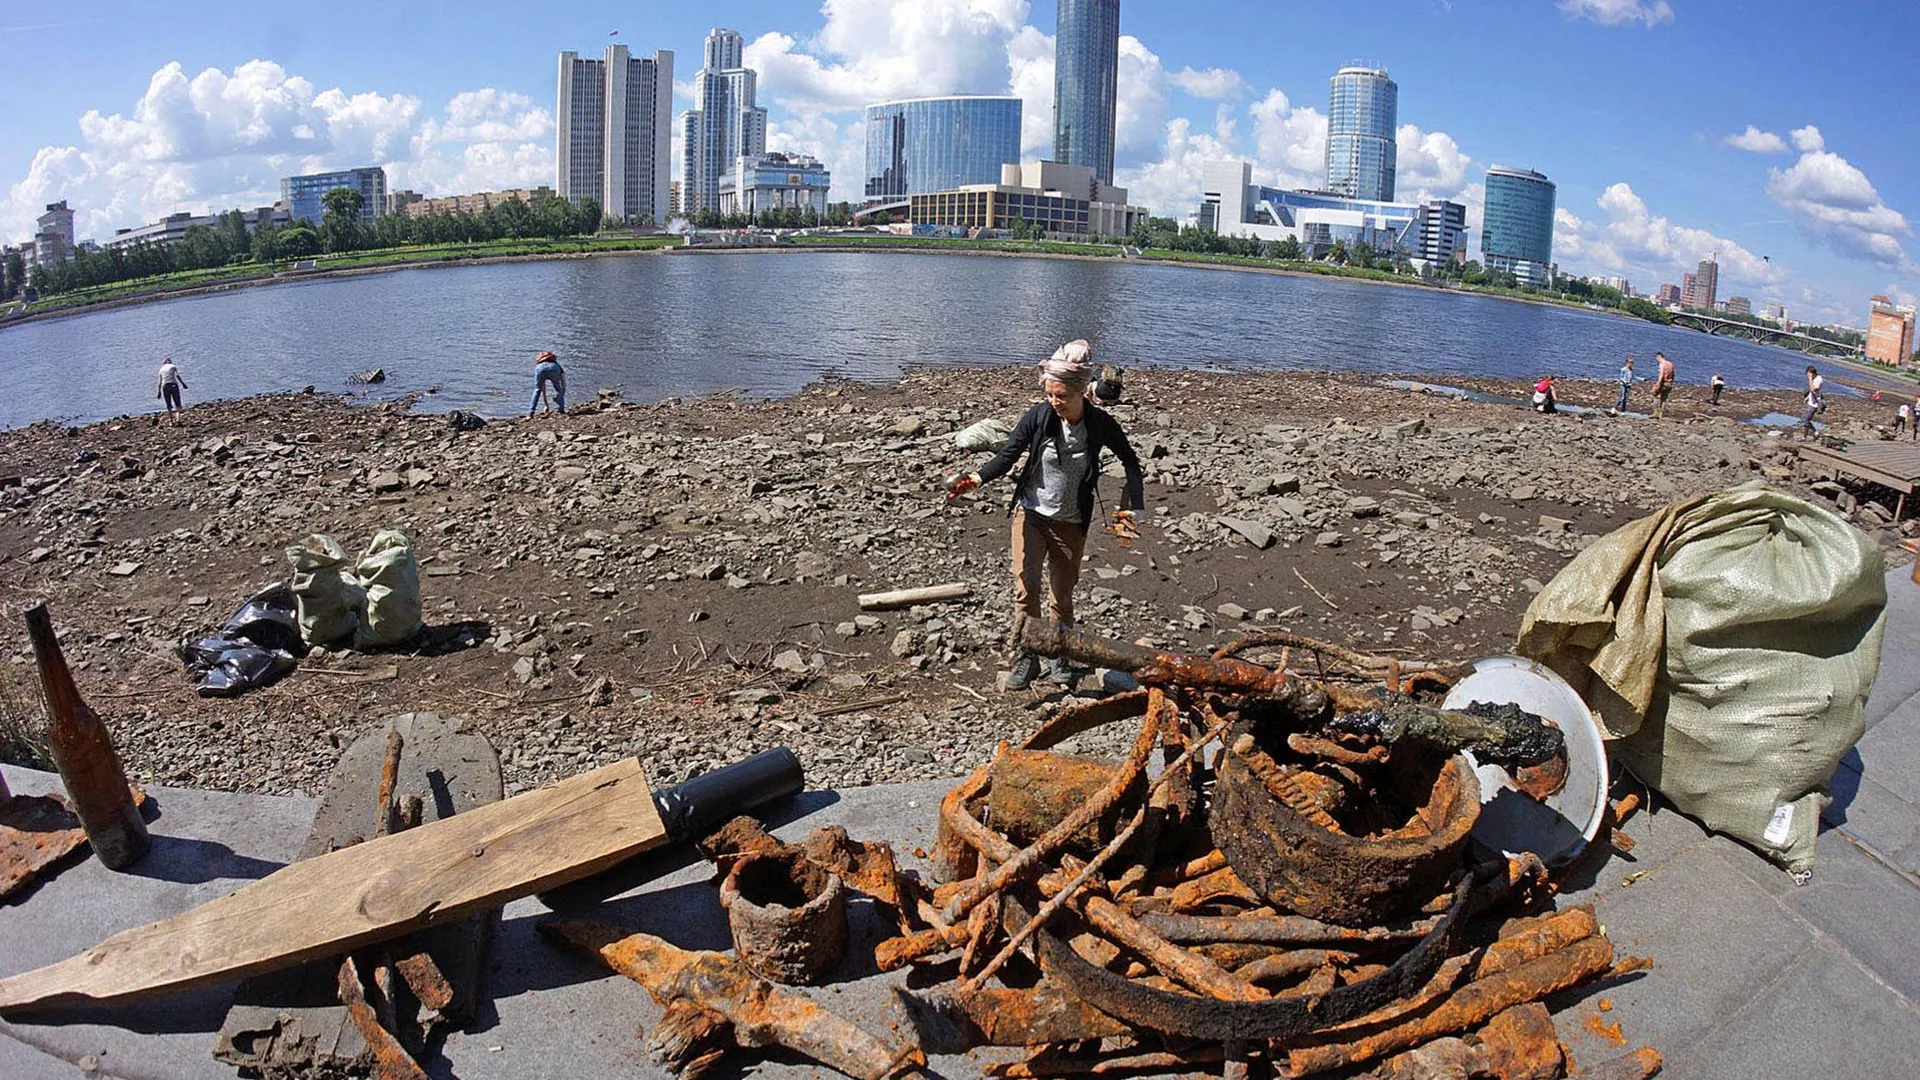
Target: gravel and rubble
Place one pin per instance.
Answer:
(677, 580)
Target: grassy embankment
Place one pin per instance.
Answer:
(418, 254)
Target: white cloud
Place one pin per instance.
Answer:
(1808, 139)
(1290, 143)
(1651, 248)
(1428, 160)
(1140, 114)
(1619, 12)
(1834, 203)
(1755, 141)
(1170, 185)
(1213, 84)
(876, 50)
(1030, 57)
(223, 139)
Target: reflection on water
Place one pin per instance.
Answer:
(767, 323)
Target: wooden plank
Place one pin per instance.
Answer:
(371, 892)
(1843, 463)
(292, 1021)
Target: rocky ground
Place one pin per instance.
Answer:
(679, 580)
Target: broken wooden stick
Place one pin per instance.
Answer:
(751, 1011)
(875, 601)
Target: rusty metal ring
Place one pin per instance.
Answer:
(1282, 1018)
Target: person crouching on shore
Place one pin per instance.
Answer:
(1053, 500)
(548, 372)
(1543, 395)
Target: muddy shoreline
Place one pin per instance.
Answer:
(677, 580)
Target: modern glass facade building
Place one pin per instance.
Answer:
(1362, 113)
(1516, 232)
(303, 195)
(938, 144)
(1086, 74)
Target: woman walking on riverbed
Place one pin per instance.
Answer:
(1062, 437)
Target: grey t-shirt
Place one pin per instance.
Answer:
(1057, 495)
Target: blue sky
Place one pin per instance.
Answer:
(1639, 110)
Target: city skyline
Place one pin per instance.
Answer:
(1672, 129)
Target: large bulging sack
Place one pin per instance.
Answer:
(1728, 642)
(391, 576)
(327, 591)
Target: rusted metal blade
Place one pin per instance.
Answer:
(36, 832)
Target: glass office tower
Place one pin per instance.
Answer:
(1086, 71)
(1361, 116)
(1516, 232)
(937, 144)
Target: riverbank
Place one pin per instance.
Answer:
(679, 579)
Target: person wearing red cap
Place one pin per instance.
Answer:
(548, 372)
(1052, 504)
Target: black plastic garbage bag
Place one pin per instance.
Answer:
(238, 670)
(462, 420)
(255, 648)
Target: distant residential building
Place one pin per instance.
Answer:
(1739, 305)
(1890, 332)
(304, 196)
(1086, 80)
(1232, 205)
(477, 203)
(398, 201)
(52, 237)
(775, 181)
(1618, 284)
(1053, 196)
(1702, 286)
(1669, 293)
(1362, 113)
(726, 127)
(1776, 311)
(174, 227)
(1516, 233)
(922, 145)
(1443, 231)
(673, 199)
(613, 132)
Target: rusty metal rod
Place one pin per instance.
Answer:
(762, 1014)
(1471, 1005)
(1278, 929)
(1027, 863)
(1072, 889)
(1151, 667)
(1292, 964)
(391, 1060)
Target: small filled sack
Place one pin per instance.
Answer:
(391, 577)
(328, 593)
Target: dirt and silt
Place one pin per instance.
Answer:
(678, 580)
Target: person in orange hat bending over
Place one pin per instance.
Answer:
(548, 372)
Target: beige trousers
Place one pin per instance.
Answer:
(1042, 544)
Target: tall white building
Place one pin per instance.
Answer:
(725, 128)
(614, 139)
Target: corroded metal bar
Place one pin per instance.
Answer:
(1471, 1005)
(955, 1021)
(1278, 929)
(391, 1060)
(761, 1013)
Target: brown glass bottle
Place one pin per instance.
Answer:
(83, 752)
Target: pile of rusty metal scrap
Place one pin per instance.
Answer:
(1292, 890)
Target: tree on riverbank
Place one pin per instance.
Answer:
(228, 242)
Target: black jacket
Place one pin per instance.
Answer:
(1041, 426)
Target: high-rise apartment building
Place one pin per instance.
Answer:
(304, 196)
(1516, 234)
(52, 237)
(922, 145)
(1362, 112)
(1669, 293)
(1443, 231)
(1086, 75)
(1702, 285)
(1739, 305)
(1890, 332)
(614, 132)
(725, 128)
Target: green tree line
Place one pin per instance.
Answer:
(228, 242)
(790, 217)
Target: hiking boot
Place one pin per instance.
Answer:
(1025, 669)
(1065, 671)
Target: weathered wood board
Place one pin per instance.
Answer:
(292, 1022)
(372, 892)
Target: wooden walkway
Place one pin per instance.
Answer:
(1894, 464)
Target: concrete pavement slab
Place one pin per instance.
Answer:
(1819, 1018)
(1867, 811)
(1899, 679)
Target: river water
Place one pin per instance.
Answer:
(657, 325)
